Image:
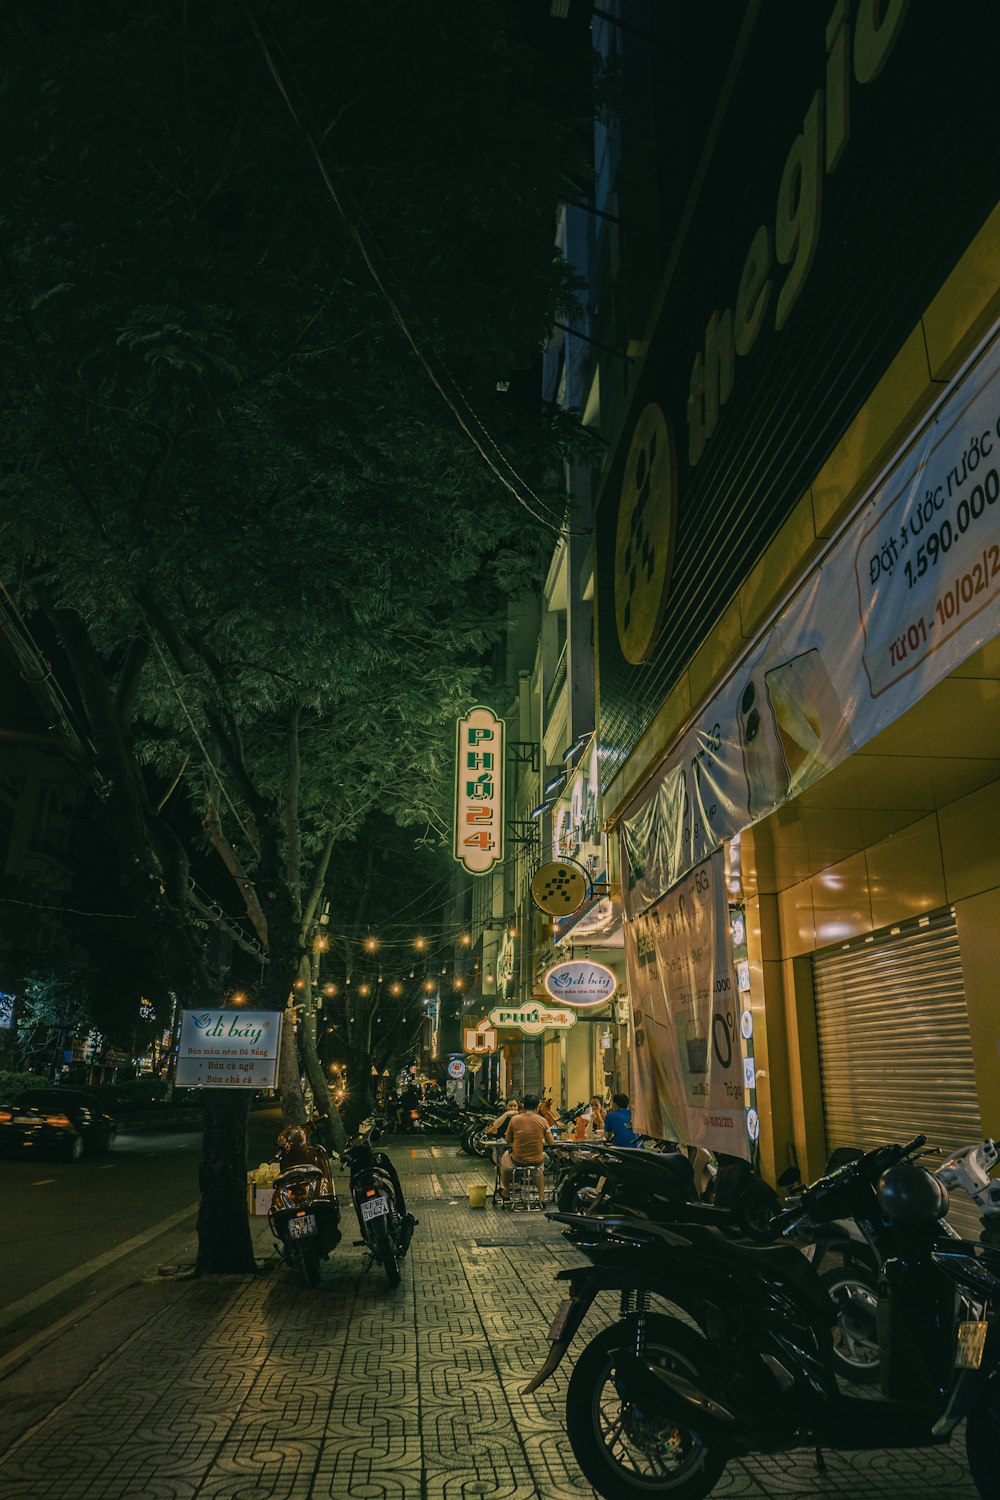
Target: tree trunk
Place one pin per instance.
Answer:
(336, 1136)
(224, 1242)
(293, 1106)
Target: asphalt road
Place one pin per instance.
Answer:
(71, 1230)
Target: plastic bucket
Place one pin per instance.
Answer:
(477, 1195)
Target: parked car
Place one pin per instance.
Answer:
(57, 1121)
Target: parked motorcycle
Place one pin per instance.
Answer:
(304, 1216)
(656, 1406)
(386, 1227)
(847, 1262)
(660, 1183)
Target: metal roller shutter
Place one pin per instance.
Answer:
(894, 1045)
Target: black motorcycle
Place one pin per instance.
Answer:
(386, 1227)
(659, 1184)
(304, 1216)
(657, 1406)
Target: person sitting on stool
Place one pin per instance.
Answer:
(527, 1134)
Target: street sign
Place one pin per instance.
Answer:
(531, 1018)
(456, 1068)
(473, 1064)
(559, 887)
(581, 983)
(481, 1038)
(228, 1049)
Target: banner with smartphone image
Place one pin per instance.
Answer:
(686, 1067)
(909, 589)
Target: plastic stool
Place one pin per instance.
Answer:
(524, 1189)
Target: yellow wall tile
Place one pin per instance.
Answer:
(969, 830)
(784, 560)
(906, 873)
(883, 422)
(841, 904)
(714, 656)
(797, 923)
(967, 305)
(651, 749)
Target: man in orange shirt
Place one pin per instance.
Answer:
(527, 1135)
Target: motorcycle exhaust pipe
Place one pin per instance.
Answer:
(660, 1394)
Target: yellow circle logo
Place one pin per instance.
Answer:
(559, 888)
(644, 544)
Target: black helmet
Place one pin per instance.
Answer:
(909, 1194)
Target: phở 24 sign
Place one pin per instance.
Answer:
(479, 791)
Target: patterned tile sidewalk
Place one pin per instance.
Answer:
(258, 1389)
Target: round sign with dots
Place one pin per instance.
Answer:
(644, 542)
(559, 888)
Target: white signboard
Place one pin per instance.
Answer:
(688, 1082)
(228, 1049)
(531, 1019)
(579, 983)
(479, 771)
(908, 591)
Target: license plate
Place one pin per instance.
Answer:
(372, 1208)
(559, 1321)
(971, 1343)
(300, 1228)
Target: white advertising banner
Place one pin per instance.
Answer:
(686, 1067)
(228, 1049)
(910, 588)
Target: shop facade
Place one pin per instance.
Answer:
(798, 597)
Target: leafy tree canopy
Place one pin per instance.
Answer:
(264, 266)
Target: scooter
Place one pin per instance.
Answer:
(304, 1216)
(847, 1262)
(660, 1184)
(658, 1407)
(386, 1227)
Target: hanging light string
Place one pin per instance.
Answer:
(511, 480)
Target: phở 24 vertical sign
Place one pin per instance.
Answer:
(479, 771)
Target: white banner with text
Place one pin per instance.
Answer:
(907, 592)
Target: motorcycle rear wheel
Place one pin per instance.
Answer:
(384, 1250)
(982, 1447)
(309, 1261)
(854, 1292)
(624, 1453)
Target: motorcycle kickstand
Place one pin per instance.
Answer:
(820, 1461)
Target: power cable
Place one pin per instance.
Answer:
(352, 229)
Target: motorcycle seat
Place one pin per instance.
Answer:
(782, 1262)
(301, 1172)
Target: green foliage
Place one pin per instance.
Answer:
(236, 485)
(12, 1085)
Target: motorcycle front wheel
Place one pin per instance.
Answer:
(309, 1261)
(627, 1452)
(853, 1290)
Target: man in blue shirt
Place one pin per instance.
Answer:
(618, 1124)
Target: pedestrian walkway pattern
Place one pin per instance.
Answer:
(259, 1389)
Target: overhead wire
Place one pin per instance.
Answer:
(516, 486)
